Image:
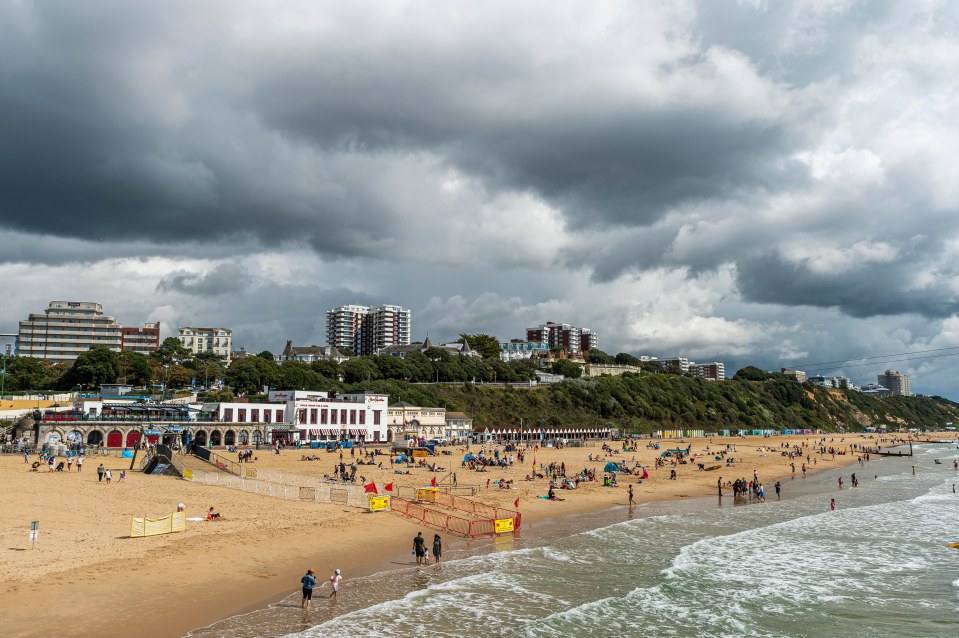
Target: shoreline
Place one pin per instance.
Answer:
(206, 586)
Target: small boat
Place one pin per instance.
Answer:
(953, 545)
(712, 467)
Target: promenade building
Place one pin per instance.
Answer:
(219, 341)
(145, 339)
(798, 375)
(365, 330)
(65, 329)
(563, 335)
(896, 382)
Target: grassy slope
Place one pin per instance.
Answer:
(656, 401)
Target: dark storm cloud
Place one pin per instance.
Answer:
(656, 142)
(867, 291)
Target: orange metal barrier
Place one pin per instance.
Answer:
(453, 523)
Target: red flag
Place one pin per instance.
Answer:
(516, 503)
(370, 488)
(433, 482)
(389, 487)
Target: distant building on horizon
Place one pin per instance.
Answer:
(144, 340)
(219, 341)
(896, 382)
(66, 329)
(798, 375)
(309, 354)
(563, 335)
(365, 330)
(715, 371)
(517, 349)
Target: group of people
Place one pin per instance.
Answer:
(751, 491)
(309, 583)
(422, 554)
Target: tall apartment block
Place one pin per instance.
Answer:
(715, 371)
(219, 341)
(896, 382)
(365, 330)
(563, 335)
(145, 339)
(65, 329)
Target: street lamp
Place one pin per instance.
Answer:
(3, 373)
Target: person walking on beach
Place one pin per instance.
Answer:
(100, 472)
(335, 581)
(437, 548)
(107, 475)
(778, 488)
(309, 582)
(631, 501)
(419, 548)
(79, 463)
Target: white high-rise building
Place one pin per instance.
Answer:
(219, 341)
(365, 330)
(65, 329)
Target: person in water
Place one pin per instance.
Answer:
(832, 504)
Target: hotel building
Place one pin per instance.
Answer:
(65, 329)
(219, 341)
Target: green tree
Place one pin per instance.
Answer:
(360, 369)
(170, 351)
(597, 356)
(251, 374)
(751, 373)
(92, 368)
(391, 367)
(134, 367)
(328, 369)
(418, 367)
(626, 359)
(29, 373)
(266, 354)
(296, 375)
(486, 345)
(179, 376)
(567, 368)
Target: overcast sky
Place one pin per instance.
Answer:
(771, 183)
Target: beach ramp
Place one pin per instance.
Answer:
(161, 462)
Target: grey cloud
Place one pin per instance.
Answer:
(865, 291)
(225, 278)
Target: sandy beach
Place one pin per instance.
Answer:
(86, 577)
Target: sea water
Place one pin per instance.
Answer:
(878, 565)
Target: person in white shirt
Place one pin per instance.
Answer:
(335, 581)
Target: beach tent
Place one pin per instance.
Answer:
(611, 467)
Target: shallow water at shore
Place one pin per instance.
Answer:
(878, 566)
